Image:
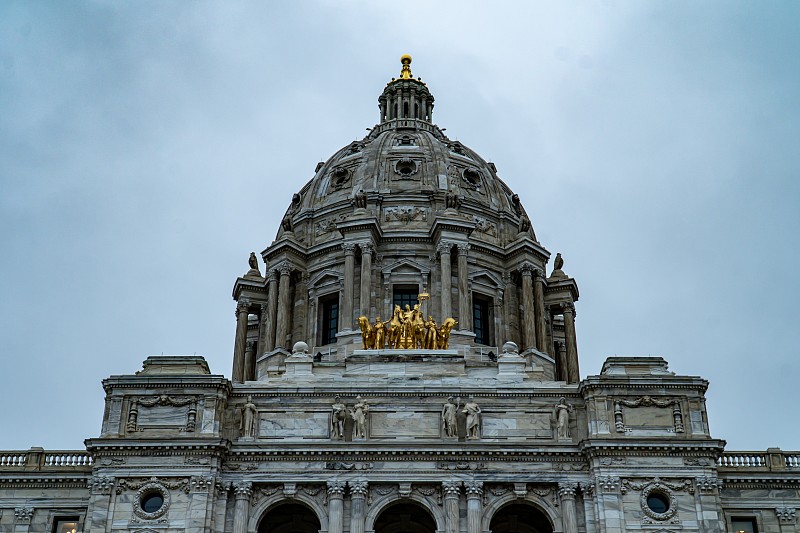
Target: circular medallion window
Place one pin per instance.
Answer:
(405, 167)
(657, 503)
(151, 502)
(472, 176)
(340, 177)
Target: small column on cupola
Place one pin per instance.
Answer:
(562, 293)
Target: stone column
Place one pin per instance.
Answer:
(538, 311)
(474, 491)
(452, 492)
(335, 506)
(346, 318)
(241, 338)
(529, 320)
(243, 490)
(272, 313)
(464, 307)
(573, 374)
(262, 330)
(100, 489)
(249, 361)
(509, 309)
(358, 495)
(569, 518)
(284, 307)
(423, 110)
(444, 257)
(366, 277)
(561, 362)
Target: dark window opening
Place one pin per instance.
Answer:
(480, 320)
(66, 524)
(405, 109)
(405, 295)
(416, 111)
(658, 503)
(744, 525)
(394, 115)
(330, 319)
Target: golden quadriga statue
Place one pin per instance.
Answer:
(406, 330)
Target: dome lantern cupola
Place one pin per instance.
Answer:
(406, 97)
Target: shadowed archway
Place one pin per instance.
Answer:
(520, 518)
(289, 518)
(405, 517)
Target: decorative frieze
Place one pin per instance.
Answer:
(460, 465)
(171, 484)
(405, 214)
(340, 465)
(650, 417)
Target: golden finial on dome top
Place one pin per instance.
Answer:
(405, 72)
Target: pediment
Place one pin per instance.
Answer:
(325, 277)
(487, 279)
(406, 266)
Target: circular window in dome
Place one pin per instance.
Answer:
(152, 501)
(472, 176)
(406, 168)
(657, 502)
(339, 177)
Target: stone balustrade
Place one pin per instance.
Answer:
(39, 459)
(772, 459)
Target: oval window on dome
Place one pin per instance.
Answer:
(473, 177)
(406, 167)
(340, 177)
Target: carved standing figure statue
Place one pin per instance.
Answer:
(561, 412)
(408, 328)
(338, 417)
(417, 328)
(379, 333)
(359, 416)
(249, 414)
(253, 261)
(473, 412)
(431, 334)
(449, 417)
(367, 333)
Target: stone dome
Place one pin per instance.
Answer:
(406, 217)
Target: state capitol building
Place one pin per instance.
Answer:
(405, 361)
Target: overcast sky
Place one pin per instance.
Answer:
(147, 148)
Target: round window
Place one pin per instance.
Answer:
(340, 176)
(406, 167)
(472, 177)
(152, 502)
(658, 502)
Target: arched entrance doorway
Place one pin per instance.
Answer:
(520, 518)
(405, 517)
(289, 518)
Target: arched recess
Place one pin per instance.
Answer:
(384, 503)
(532, 501)
(263, 508)
(405, 517)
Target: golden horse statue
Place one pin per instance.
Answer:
(443, 341)
(395, 328)
(367, 333)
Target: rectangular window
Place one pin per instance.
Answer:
(480, 320)
(65, 524)
(330, 319)
(405, 295)
(743, 525)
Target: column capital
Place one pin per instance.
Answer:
(463, 248)
(527, 268)
(272, 275)
(243, 489)
(251, 345)
(367, 247)
(567, 490)
(349, 248)
(242, 305)
(23, 515)
(444, 247)
(451, 487)
(336, 487)
(264, 308)
(358, 488)
(474, 489)
(285, 268)
(568, 307)
(538, 274)
(786, 514)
